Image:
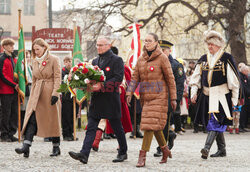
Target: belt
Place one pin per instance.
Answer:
(217, 95)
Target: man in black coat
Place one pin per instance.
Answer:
(105, 101)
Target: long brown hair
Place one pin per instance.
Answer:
(40, 42)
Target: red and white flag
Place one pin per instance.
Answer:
(135, 45)
(136, 48)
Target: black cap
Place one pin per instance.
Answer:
(165, 44)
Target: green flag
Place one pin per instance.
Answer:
(77, 50)
(19, 71)
(77, 58)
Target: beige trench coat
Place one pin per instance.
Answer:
(46, 81)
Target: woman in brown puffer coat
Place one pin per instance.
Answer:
(154, 74)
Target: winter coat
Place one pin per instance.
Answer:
(7, 83)
(155, 76)
(106, 103)
(46, 81)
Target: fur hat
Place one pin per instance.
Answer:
(214, 37)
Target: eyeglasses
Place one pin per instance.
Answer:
(100, 45)
(148, 41)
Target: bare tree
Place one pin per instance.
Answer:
(229, 14)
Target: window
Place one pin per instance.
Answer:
(4, 6)
(29, 7)
(6, 34)
(27, 34)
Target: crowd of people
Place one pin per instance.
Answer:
(213, 92)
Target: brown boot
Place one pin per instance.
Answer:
(97, 140)
(166, 153)
(141, 159)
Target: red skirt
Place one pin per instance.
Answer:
(125, 118)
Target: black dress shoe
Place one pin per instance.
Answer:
(219, 153)
(25, 150)
(56, 151)
(79, 156)
(13, 139)
(195, 131)
(158, 152)
(113, 136)
(139, 134)
(245, 130)
(106, 136)
(121, 158)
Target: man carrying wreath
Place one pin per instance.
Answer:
(105, 101)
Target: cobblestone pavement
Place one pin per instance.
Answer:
(186, 156)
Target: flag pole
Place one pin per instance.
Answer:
(134, 118)
(19, 103)
(74, 116)
(74, 98)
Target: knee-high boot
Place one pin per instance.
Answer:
(221, 146)
(97, 140)
(210, 139)
(141, 159)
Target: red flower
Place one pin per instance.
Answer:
(44, 63)
(85, 70)
(75, 69)
(96, 68)
(102, 78)
(80, 64)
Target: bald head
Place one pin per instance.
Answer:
(240, 65)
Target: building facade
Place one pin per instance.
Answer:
(34, 13)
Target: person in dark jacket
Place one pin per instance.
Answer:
(245, 111)
(8, 92)
(67, 105)
(179, 75)
(105, 101)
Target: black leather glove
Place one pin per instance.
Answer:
(54, 99)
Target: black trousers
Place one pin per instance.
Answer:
(67, 118)
(167, 126)
(31, 130)
(9, 115)
(177, 118)
(91, 132)
(244, 114)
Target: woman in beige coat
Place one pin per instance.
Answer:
(154, 73)
(42, 117)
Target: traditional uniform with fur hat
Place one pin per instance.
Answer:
(217, 77)
(179, 75)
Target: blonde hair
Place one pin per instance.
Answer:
(40, 42)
